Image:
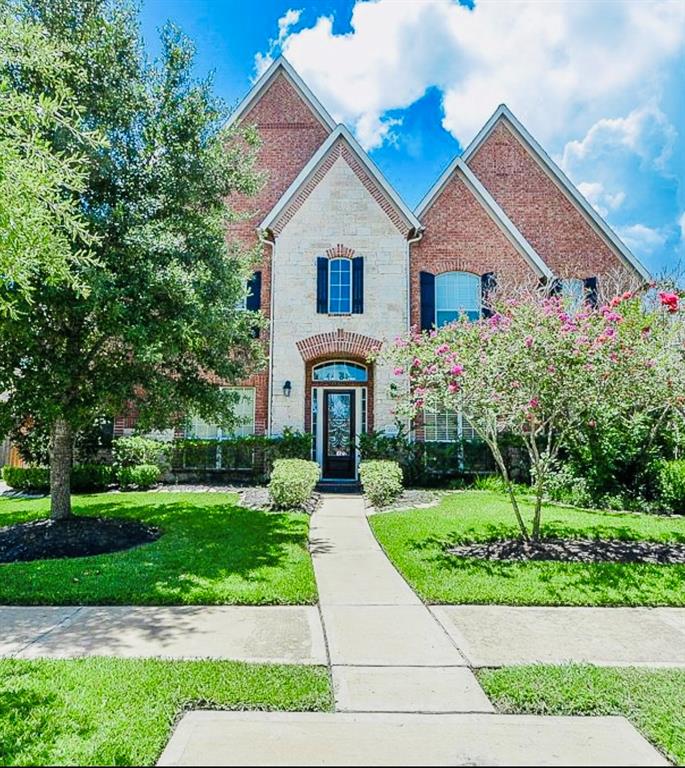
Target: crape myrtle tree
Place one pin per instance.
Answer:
(39, 225)
(157, 324)
(542, 368)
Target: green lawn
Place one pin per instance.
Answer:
(120, 711)
(415, 540)
(211, 552)
(652, 699)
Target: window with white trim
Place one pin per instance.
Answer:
(244, 410)
(340, 287)
(456, 294)
(443, 426)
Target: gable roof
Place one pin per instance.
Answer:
(282, 66)
(459, 167)
(504, 113)
(297, 192)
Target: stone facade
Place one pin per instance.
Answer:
(339, 210)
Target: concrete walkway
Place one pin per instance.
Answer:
(267, 634)
(404, 693)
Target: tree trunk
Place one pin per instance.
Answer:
(61, 440)
(499, 460)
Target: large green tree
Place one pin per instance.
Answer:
(159, 323)
(39, 224)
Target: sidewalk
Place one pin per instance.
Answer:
(403, 691)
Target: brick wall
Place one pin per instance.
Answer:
(545, 215)
(461, 236)
(290, 134)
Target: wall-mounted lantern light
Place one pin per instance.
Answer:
(287, 388)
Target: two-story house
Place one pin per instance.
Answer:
(347, 266)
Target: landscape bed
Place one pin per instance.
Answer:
(210, 551)
(104, 711)
(418, 541)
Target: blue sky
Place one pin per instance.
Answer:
(599, 84)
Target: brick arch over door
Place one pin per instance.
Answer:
(338, 343)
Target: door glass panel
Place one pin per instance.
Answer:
(339, 423)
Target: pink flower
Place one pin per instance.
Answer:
(452, 388)
(398, 371)
(613, 317)
(669, 300)
(443, 349)
(528, 341)
(457, 370)
(533, 402)
(400, 342)
(416, 363)
(592, 423)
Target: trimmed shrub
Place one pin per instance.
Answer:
(672, 484)
(27, 478)
(382, 481)
(136, 450)
(91, 477)
(142, 476)
(84, 477)
(292, 482)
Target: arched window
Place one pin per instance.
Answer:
(456, 293)
(340, 370)
(340, 287)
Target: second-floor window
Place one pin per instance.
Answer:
(456, 294)
(340, 287)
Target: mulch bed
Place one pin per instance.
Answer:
(74, 537)
(574, 551)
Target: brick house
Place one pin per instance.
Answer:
(346, 265)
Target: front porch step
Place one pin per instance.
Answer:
(339, 486)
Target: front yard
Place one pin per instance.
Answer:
(652, 699)
(211, 551)
(416, 541)
(103, 711)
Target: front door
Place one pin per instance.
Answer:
(338, 433)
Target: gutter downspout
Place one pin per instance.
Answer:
(264, 239)
(417, 236)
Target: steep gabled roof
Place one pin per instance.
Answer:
(282, 66)
(339, 142)
(458, 167)
(503, 113)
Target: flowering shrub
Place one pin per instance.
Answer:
(543, 370)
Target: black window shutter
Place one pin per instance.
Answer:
(322, 285)
(358, 285)
(488, 285)
(254, 292)
(427, 285)
(590, 285)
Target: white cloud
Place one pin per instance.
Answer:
(559, 66)
(599, 198)
(264, 60)
(641, 239)
(646, 132)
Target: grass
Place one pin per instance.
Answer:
(103, 711)
(652, 699)
(211, 552)
(416, 540)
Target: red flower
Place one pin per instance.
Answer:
(669, 300)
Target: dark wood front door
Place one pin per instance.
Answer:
(338, 433)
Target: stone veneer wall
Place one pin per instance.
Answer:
(339, 210)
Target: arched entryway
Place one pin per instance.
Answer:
(339, 399)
